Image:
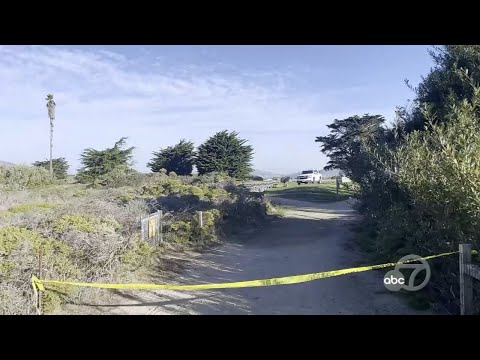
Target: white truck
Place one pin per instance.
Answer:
(309, 177)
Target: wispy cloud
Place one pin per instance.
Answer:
(103, 95)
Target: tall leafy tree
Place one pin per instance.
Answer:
(178, 158)
(448, 83)
(60, 167)
(346, 141)
(225, 152)
(100, 162)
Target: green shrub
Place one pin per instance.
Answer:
(140, 255)
(182, 231)
(193, 190)
(79, 222)
(19, 249)
(439, 173)
(213, 178)
(175, 186)
(424, 198)
(214, 194)
(163, 186)
(33, 207)
(120, 176)
(245, 210)
(21, 177)
(188, 231)
(85, 224)
(60, 167)
(126, 198)
(99, 163)
(211, 224)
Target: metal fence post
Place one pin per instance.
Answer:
(200, 219)
(466, 291)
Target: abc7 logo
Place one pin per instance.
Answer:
(395, 281)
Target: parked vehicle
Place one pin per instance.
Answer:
(309, 177)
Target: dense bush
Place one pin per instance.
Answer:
(225, 152)
(439, 171)
(94, 233)
(422, 196)
(419, 180)
(60, 167)
(245, 210)
(214, 177)
(86, 238)
(120, 176)
(21, 177)
(178, 158)
(98, 163)
(186, 229)
(174, 186)
(19, 249)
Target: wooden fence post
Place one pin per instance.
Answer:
(160, 225)
(200, 219)
(40, 276)
(466, 292)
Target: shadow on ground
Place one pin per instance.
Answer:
(307, 239)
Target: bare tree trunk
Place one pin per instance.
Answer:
(51, 147)
(51, 114)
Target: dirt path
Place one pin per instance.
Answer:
(310, 237)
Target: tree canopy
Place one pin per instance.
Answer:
(60, 167)
(344, 144)
(225, 152)
(448, 83)
(418, 181)
(100, 162)
(178, 158)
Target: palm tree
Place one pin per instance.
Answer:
(51, 114)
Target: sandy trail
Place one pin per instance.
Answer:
(310, 237)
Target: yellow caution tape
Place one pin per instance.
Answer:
(37, 283)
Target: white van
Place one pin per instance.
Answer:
(309, 177)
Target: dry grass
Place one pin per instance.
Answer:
(93, 235)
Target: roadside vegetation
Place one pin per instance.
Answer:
(87, 227)
(419, 179)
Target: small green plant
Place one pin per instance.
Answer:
(214, 194)
(181, 232)
(85, 224)
(29, 208)
(139, 255)
(126, 198)
(79, 222)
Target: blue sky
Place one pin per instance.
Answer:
(279, 98)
